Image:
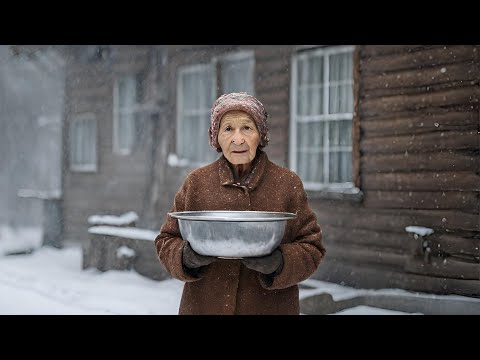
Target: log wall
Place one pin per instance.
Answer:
(419, 165)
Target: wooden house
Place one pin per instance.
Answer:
(383, 136)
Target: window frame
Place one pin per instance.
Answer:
(92, 167)
(325, 52)
(174, 159)
(134, 110)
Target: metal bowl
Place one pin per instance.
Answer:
(232, 234)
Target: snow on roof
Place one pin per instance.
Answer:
(419, 230)
(124, 232)
(123, 219)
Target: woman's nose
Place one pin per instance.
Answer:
(238, 139)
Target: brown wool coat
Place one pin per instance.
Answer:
(227, 286)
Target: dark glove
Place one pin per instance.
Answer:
(265, 264)
(193, 260)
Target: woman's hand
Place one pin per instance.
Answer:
(265, 264)
(193, 260)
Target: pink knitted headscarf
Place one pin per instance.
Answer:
(243, 102)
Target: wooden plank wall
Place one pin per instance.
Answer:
(120, 183)
(419, 119)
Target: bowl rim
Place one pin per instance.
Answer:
(201, 215)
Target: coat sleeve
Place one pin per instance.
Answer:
(169, 243)
(302, 256)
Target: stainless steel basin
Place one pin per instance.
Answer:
(233, 234)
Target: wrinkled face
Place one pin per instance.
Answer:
(238, 137)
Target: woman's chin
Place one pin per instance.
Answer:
(239, 159)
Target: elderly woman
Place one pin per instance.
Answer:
(243, 178)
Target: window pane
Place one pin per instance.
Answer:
(90, 158)
(340, 133)
(125, 130)
(333, 134)
(345, 131)
(188, 89)
(237, 75)
(340, 166)
(315, 70)
(130, 93)
(188, 135)
(197, 92)
(316, 101)
(310, 134)
(341, 83)
(334, 99)
(310, 101)
(310, 141)
(310, 165)
(86, 137)
(76, 142)
(80, 136)
(333, 166)
(345, 166)
(340, 98)
(341, 67)
(126, 91)
(310, 87)
(302, 164)
(83, 142)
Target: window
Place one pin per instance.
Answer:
(321, 117)
(196, 92)
(83, 143)
(127, 118)
(237, 73)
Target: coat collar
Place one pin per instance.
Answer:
(252, 180)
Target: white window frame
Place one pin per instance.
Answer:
(325, 52)
(134, 109)
(83, 167)
(173, 159)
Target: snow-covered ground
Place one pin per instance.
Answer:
(51, 281)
